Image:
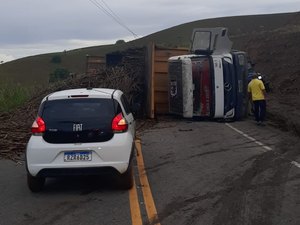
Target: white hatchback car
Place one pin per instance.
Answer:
(81, 132)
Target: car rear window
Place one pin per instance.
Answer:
(79, 120)
(73, 109)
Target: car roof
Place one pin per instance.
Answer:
(84, 93)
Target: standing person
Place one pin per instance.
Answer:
(256, 89)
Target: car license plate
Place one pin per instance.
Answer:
(77, 156)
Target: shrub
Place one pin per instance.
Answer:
(13, 95)
(118, 42)
(56, 59)
(59, 74)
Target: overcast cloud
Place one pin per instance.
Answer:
(30, 27)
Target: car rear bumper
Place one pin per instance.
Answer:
(62, 172)
(44, 159)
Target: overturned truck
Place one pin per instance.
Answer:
(211, 82)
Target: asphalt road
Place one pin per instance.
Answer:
(186, 172)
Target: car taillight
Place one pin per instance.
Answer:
(38, 126)
(119, 124)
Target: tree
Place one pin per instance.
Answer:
(118, 42)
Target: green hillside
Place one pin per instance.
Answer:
(35, 70)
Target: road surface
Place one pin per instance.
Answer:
(186, 172)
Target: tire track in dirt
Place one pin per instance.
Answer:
(256, 196)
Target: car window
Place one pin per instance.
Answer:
(118, 108)
(125, 104)
(80, 120)
(74, 109)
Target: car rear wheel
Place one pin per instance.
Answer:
(35, 184)
(125, 180)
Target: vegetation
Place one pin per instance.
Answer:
(56, 59)
(13, 95)
(59, 74)
(118, 42)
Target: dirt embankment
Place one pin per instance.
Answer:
(276, 54)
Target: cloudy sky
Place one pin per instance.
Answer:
(30, 27)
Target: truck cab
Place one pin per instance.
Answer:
(211, 81)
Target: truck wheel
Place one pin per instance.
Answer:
(35, 184)
(125, 180)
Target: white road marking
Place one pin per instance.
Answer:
(249, 137)
(257, 142)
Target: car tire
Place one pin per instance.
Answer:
(35, 184)
(125, 180)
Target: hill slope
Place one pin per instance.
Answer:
(271, 40)
(248, 33)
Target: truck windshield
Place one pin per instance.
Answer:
(201, 41)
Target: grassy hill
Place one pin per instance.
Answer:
(35, 70)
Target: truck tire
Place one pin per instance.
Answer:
(35, 184)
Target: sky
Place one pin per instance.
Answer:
(31, 27)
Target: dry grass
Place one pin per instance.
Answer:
(13, 95)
